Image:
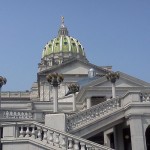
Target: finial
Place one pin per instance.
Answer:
(62, 22)
(63, 30)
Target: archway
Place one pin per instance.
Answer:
(147, 135)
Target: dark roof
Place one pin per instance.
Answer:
(86, 81)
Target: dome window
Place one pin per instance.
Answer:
(65, 43)
(79, 46)
(49, 45)
(57, 44)
(73, 44)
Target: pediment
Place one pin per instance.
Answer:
(124, 81)
(76, 67)
(120, 83)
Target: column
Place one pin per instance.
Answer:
(88, 102)
(74, 102)
(137, 133)
(0, 110)
(55, 100)
(113, 90)
(43, 92)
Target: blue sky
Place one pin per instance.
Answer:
(113, 33)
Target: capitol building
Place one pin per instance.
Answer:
(75, 105)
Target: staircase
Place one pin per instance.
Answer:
(104, 115)
(33, 135)
(97, 118)
(86, 117)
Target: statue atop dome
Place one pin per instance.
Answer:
(62, 22)
(63, 31)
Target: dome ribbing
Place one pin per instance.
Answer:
(61, 49)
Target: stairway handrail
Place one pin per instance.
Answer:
(70, 136)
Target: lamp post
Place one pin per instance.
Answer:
(73, 88)
(2, 82)
(113, 76)
(55, 80)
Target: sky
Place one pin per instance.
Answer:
(113, 33)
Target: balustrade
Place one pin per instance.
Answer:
(19, 114)
(15, 94)
(55, 138)
(145, 97)
(12, 114)
(93, 113)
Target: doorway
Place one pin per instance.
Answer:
(147, 135)
(127, 139)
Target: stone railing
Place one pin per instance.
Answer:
(23, 115)
(10, 114)
(17, 94)
(91, 114)
(16, 114)
(53, 138)
(145, 96)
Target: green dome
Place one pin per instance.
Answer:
(61, 49)
(63, 44)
